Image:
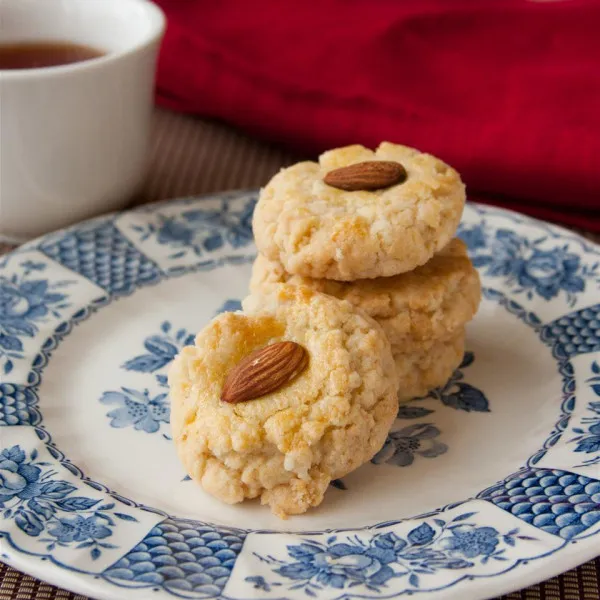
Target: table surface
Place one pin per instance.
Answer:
(192, 156)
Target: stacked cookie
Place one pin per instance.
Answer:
(377, 229)
(359, 299)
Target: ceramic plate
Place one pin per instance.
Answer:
(487, 485)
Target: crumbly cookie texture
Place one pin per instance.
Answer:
(421, 372)
(320, 231)
(286, 446)
(415, 309)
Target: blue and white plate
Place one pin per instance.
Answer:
(486, 485)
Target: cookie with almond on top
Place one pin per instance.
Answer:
(359, 213)
(277, 401)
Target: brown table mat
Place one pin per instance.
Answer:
(191, 156)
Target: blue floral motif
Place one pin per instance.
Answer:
(39, 503)
(458, 394)
(474, 237)
(428, 548)
(588, 440)
(525, 266)
(24, 303)
(138, 409)
(79, 529)
(472, 541)
(200, 231)
(401, 446)
(410, 411)
(160, 349)
(259, 583)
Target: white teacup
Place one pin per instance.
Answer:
(74, 138)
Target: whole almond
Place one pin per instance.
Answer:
(369, 175)
(264, 371)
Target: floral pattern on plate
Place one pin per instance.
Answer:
(43, 505)
(141, 409)
(588, 436)
(26, 300)
(135, 278)
(344, 562)
(194, 233)
(526, 265)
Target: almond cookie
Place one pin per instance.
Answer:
(421, 372)
(288, 444)
(317, 230)
(415, 309)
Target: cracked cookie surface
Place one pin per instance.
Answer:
(319, 231)
(421, 372)
(415, 309)
(286, 446)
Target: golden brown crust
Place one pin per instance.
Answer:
(287, 445)
(320, 231)
(421, 372)
(415, 309)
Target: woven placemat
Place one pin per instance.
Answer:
(191, 156)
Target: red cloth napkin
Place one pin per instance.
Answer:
(506, 91)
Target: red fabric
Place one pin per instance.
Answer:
(506, 91)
